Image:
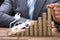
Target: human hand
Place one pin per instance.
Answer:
(55, 11)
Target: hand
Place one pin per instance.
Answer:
(55, 11)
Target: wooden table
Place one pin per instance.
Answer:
(4, 36)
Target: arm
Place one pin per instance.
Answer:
(5, 9)
(1, 1)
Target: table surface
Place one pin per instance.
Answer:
(4, 31)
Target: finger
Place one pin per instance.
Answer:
(56, 9)
(57, 17)
(57, 4)
(57, 13)
(53, 5)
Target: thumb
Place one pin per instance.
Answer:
(50, 6)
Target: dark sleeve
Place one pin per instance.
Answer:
(5, 9)
(58, 1)
(6, 19)
(57, 24)
(1, 1)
